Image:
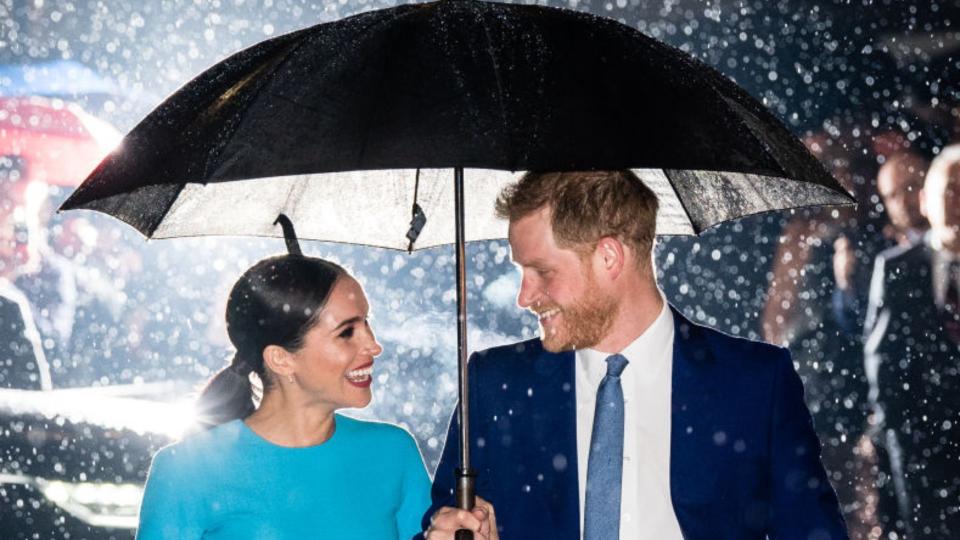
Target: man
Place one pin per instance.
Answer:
(899, 182)
(625, 420)
(912, 356)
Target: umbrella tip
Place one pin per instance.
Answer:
(289, 235)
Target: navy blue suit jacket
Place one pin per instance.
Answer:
(744, 459)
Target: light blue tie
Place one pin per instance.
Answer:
(605, 464)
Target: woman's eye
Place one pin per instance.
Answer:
(347, 333)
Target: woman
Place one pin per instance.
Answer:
(292, 467)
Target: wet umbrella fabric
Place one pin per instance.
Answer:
(348, 127)
(455, 83)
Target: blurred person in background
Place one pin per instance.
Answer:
(53, 144)
(819, 280)
(912, 361)
(899, 183)
(290, 467)
(23, 365)
(45, 280)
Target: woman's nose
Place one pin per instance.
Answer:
(373, 345)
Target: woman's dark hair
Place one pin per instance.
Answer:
(275, 302)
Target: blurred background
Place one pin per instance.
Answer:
(106, 337)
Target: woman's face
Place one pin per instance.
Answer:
(335, 364)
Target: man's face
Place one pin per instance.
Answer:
(559, 286)
(899, 183)
(942, 198)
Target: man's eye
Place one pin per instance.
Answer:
(347, 333)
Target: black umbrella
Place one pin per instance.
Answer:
(384, 102)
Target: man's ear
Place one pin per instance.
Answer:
(278, 360)
(611, 256)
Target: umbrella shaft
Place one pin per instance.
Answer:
(464, 405)
(466, 480)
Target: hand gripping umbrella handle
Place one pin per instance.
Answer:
(466, 497)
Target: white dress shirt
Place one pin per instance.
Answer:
(646, 510)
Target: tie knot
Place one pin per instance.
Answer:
(616, 364)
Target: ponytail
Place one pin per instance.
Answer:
(227, 396)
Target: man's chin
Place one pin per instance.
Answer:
(555, 345)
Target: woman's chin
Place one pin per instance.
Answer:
(358, 401)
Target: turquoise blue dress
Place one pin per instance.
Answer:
(366, 482)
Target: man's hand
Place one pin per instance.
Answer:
(447, 521)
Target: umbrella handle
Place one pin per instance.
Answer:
(466, 496)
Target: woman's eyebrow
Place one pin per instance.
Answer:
(348, 322)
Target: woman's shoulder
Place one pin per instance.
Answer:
(202, 446)
(372, 431)
(367, 441)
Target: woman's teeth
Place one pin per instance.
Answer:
(360, 375)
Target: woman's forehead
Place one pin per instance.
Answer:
(346, 300)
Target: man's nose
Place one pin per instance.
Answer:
(528, 293)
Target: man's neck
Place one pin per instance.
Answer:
(637, 312)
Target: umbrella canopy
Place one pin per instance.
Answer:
(456, 83)
(58, 143)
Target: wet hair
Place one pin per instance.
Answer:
(275, 302)
(587, 206)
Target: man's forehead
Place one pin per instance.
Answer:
(527, 243)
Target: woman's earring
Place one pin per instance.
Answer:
(290, 378)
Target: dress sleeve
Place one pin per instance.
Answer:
(168, 509)
(415, 494)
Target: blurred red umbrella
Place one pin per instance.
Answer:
(57, 142)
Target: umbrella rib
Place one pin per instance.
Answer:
(156, 224)
(683, 205)
(497, 77)
(278, 60)
(297, 186)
